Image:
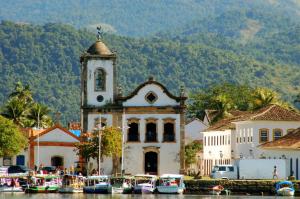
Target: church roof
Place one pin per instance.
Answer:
(152, 81)
(99, 48)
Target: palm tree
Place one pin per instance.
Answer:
(22, 93)
(263, 97)
(39, 115)
(15, 110)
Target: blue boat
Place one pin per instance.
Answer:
(97, 184)
(285, 188)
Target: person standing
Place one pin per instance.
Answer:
(275, 173)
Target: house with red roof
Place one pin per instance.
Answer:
(241, 134)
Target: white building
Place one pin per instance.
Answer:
(154, 143)
(286, 147)
(54, 146)
(240, 135)
(193, 130)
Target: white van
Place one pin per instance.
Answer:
(224, 172)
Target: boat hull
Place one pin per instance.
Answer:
(11, 189)
(285, 192)
(70, 190)
(170, 189)
(99, 190)
(121, 190)
(37, 189)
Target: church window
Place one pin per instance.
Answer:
(151, 97)
(100, 78)
(133, 132)
(169, 134)
(151, 132)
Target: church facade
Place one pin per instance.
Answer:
(154, 137)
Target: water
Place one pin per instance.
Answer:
(101, 196)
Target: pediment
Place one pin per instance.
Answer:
(56, 134)
(151, 95)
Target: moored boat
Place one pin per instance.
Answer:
(216, 190)
(72, 184)
(145, 183)
(121, 185)
(97, 184)
(12, 183)
(171, 184)
(285, 188)
(43, 184)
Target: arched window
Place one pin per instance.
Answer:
(133, 132)
(100, 78)
(169, 134)
(277, 133)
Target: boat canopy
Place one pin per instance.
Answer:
(171, 176)
(97, 177)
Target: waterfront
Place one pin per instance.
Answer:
(101, 196)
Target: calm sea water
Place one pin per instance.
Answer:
(100, 196)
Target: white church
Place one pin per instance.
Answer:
(154, 140)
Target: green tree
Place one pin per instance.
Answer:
(191, 152)
(12, 141)
(111, 145)
(22, 93)
(15, 110)
(39, 116)
(263, 97)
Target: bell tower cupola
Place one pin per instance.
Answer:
(98, 75)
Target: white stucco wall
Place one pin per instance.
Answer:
(214, 147)
(57, 135)
(92, 65)
(92, 117)
(292, 157)
(14, 158)
(46, 152)
(193, 131)
(168, 158)
(250, 129)
(162, 98)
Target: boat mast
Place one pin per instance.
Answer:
(123, 134)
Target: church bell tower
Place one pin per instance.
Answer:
(98, 79)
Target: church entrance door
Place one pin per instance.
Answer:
(151, 163)
(57, 161)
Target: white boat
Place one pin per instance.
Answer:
(285, 188)
(171, 184)
(11, 183)
(72, 184)
(97, 184)
(145, 183)
(121, 185)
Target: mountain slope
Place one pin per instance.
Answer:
(47, 58)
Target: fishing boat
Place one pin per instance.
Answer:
(145, 183)
(216, 190)
(121, 185)
(12, 183)
(72, 184)
(97, 184)
(171, 184)
(43, 184)
(285, 188)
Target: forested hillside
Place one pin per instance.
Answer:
(47, 58)
(146, 17)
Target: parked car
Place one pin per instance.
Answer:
(3, 170)
(49, 169)
(17, 169)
